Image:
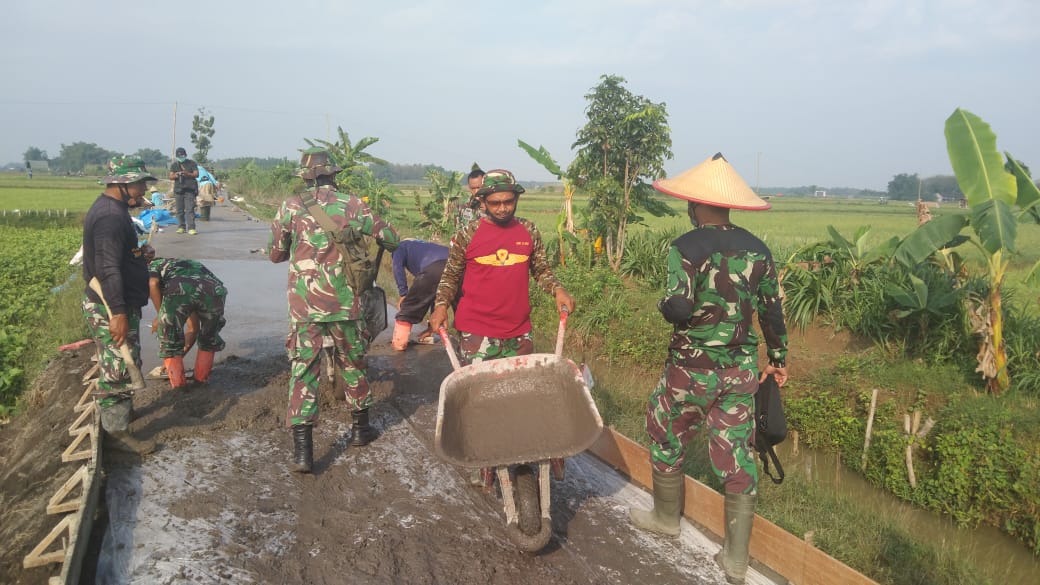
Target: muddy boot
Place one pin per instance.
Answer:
(733, 558)
(664, 518)
(204, 213)
(303, 448)
(123, 441)
(203, 366)
(400, 339)
(362, 431)
(175, 370)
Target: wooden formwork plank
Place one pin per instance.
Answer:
(70, 570)
(797, 560)
(86, 399)
(91, 372)
(38, 558)
(70, 453)
(85, 418)
(60, 503)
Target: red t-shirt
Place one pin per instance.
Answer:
(495, 301)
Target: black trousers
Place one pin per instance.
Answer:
(421, 294)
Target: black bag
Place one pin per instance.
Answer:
(373, 305)
(770, 425)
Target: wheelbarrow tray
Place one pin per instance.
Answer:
(515, 410)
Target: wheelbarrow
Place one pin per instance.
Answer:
(514, 415)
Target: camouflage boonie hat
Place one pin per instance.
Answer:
(316, 162)
(497, 180)
(126, 169)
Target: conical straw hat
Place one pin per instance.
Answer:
(713, 182)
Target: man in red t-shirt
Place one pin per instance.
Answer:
(498, 256)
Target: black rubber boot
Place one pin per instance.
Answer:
(303, 448)
(362, 431)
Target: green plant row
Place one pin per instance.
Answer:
(36, 261)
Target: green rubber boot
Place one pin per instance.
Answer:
(668, 496)
(733, 558)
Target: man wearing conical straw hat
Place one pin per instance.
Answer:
(719, 275)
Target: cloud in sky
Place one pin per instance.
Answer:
(794, 92)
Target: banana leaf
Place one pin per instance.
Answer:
(939, 233)
(542, 157)
(995, 224)
(1028, 193)
(976, 162)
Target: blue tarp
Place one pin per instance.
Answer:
(159, 216)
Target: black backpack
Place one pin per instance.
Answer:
(770, 425)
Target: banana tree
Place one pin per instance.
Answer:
(542, 157)
(992, 194)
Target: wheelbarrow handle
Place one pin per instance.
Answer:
(443, 332)
(562, 329)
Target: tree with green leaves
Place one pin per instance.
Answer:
(78, 156)
(998, 199)
(351, 157)
(621, 150)
(904, 187)
(564, 228)
(33, 153)
(202, 132)
(439, 213)
(152, 157)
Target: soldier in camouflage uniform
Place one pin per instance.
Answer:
(472, 208)
(181, 290)
(112, 255)
(498, 254)
(324, 309)
(719, 275)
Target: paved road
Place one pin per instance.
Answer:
(217, 504)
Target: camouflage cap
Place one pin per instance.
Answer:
(497, 180)
(316, 162)
(126, 169)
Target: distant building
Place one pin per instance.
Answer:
(39, 165)
(820, 193)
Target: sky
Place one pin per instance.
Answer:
(792, 92)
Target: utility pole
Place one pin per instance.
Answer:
(173, 147)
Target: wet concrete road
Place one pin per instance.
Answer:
(217, 504)
(230, 245)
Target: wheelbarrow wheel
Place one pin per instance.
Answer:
(528, 510)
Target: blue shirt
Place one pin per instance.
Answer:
(415, 256)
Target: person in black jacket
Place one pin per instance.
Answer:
(111, 254)
(184, 173)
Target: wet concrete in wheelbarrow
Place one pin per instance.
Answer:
(217, 503)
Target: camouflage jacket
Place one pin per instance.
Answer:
(319, 288)
(178, 275)
(728, 274)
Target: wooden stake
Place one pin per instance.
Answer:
(37, 558)
(70, 453)
(86, 399)
(85, 418)
(58, 502)
(870, 428)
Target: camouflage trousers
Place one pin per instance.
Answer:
(204, 297)
(686, 399)
(112, 396)
(477, 348)
(304, 345)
